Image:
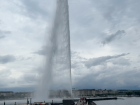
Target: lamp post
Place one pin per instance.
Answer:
(30, 101)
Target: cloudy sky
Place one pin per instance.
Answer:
(104, 42)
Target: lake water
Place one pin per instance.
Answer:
(19, 102)
(12, 102)
(120, 101)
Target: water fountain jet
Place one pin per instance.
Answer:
(57, 69)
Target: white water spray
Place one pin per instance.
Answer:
(57, 70)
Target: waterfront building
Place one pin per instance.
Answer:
(6, 93)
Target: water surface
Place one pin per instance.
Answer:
(120, 101)
(24, 101)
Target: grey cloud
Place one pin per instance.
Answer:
(30, 77)
(2, 36)
(23, 58)
(38, 70)
(3, 33)
(75, 64)
(106, 82)
(121, 61)
(76, 60)
(112, 37)
(42, 51)
(76, 56)
(7, 58)
(4, 77)
(5, 73)
(113, 10)
(110, 77)
(100, 60)
(118, 11)
(34, 9)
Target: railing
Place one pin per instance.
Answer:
(14, 104)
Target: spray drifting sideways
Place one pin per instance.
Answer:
(57, 68)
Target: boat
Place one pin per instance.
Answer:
(82, 101)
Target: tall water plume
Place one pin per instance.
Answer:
(57, 69)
